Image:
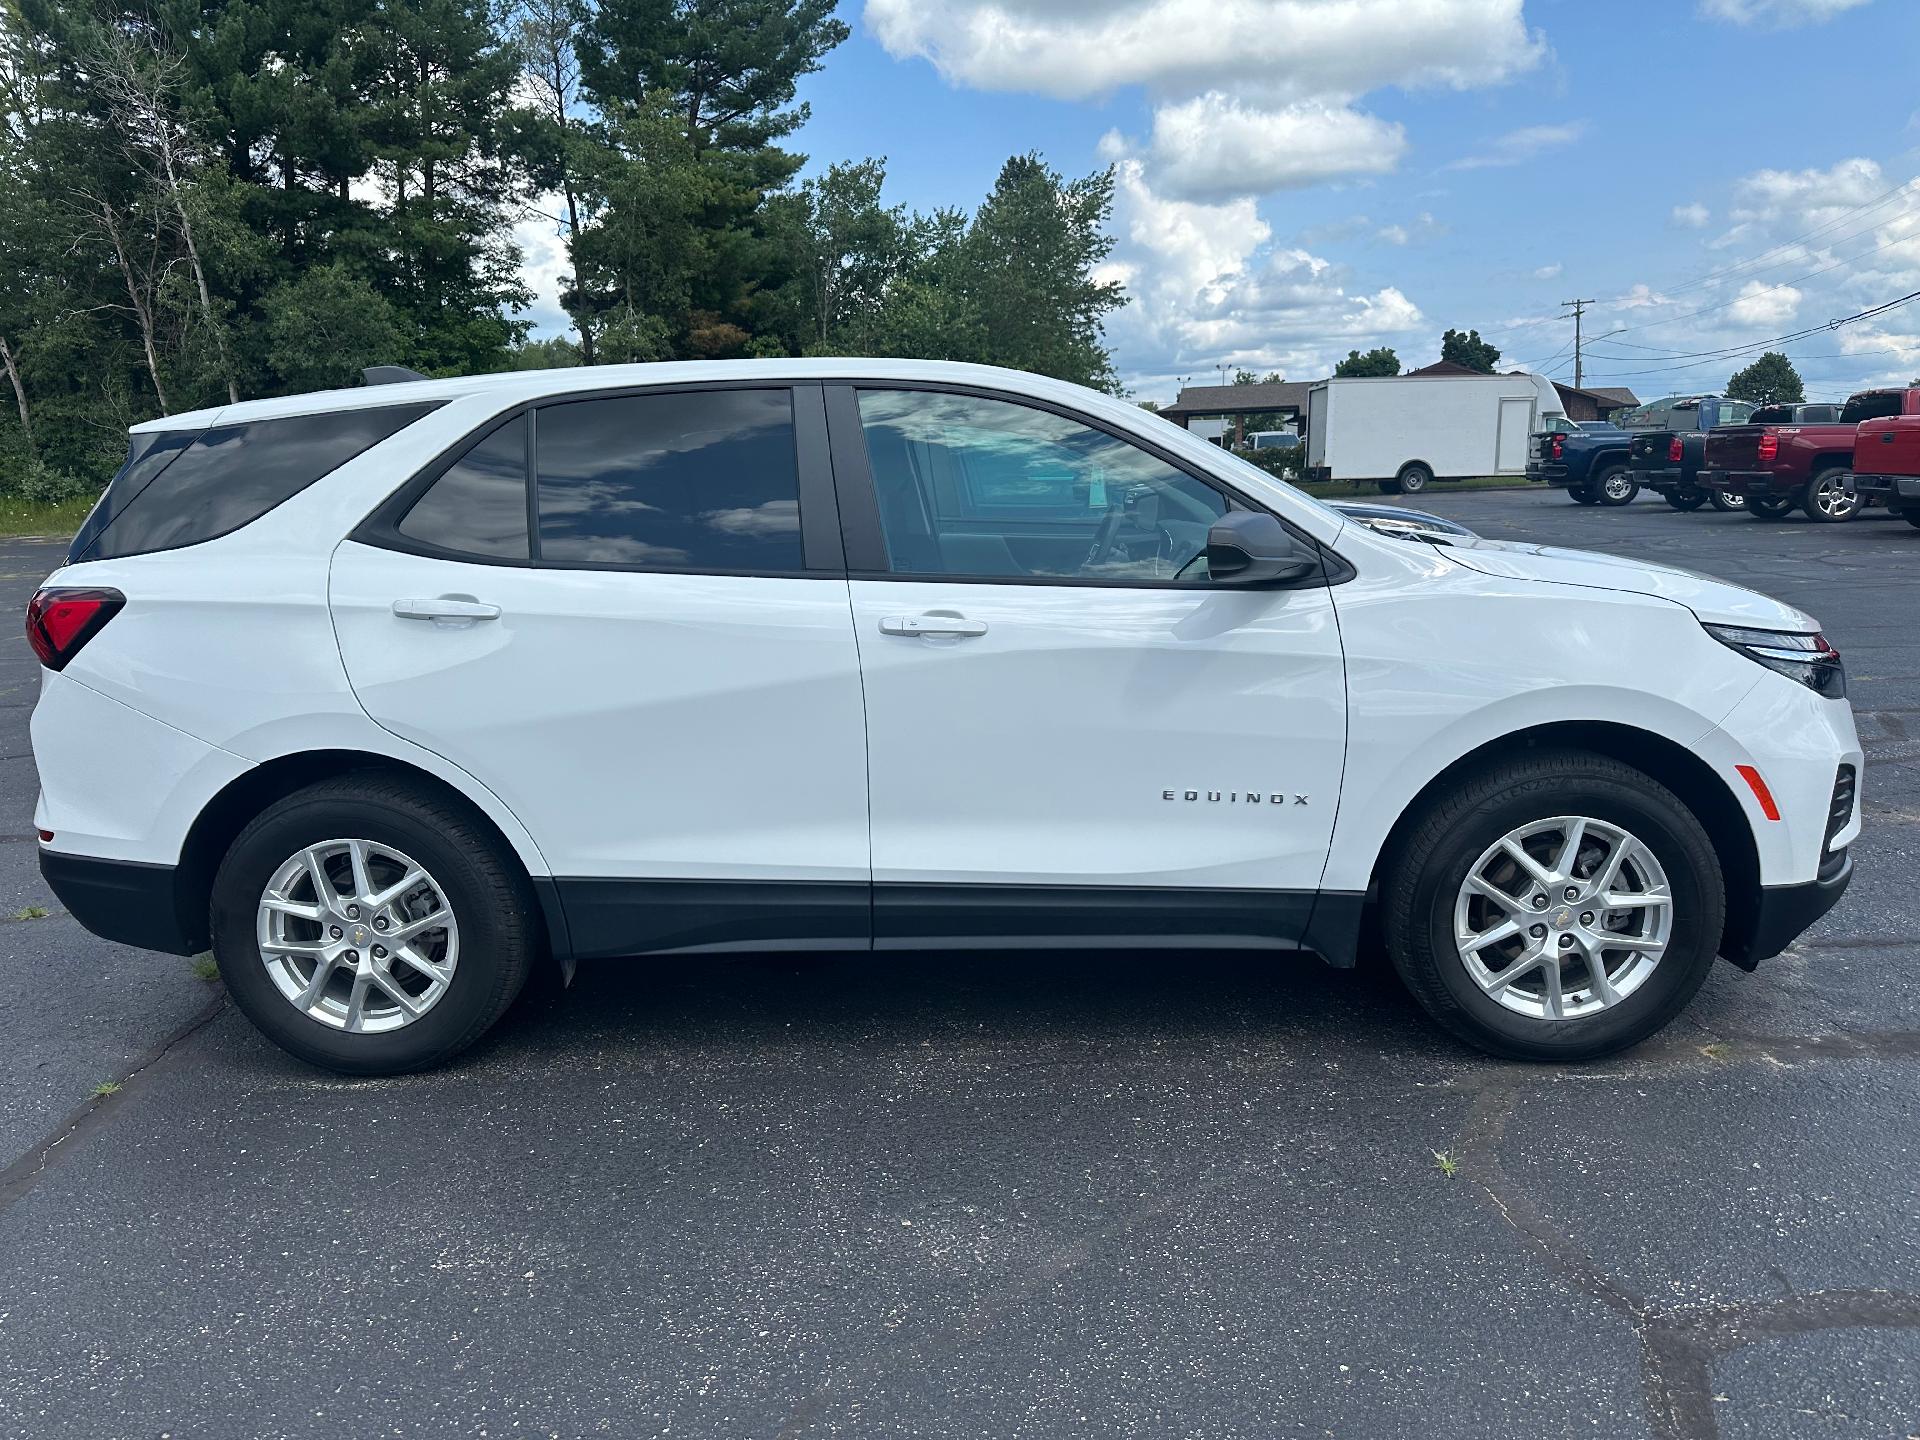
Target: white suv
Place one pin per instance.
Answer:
(394, 693)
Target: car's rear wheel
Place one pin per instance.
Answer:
(1686, 499)
(1770, 507)
(1722, 501)
(372, 926)
(1559, 906)
(1912, 517)
(1414, 478)
(1830, 496)
(1616, 485)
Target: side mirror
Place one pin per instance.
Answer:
(1250, 547)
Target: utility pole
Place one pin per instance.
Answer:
(1579, 308)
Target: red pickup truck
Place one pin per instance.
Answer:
(1777, 469)
(1886, 464)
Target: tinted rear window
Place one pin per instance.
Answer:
(1874, 405)
(478, 506)
(226, 477)
(687, 481)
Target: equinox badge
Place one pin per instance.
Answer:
(1232, 797)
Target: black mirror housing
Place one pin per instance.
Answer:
(1250, 547)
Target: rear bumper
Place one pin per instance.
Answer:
(1888, 487)
(1662, 477)
(1550, 474)
(1749, 482)
(127, 901)
(1784, 912)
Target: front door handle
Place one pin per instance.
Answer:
(931, 625)
(446, 610)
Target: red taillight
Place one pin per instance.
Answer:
(1559, 446)
(1769, 446)
(61, 620)
(1673, 449)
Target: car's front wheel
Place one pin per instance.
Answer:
(1558, 906)
(1770, 507)
(1723, 501)
(1582, 495)
(1831, 497)
(1686, 499)
(372, 926)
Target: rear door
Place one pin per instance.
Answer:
(1073, 734)
(646, 653)
(1516, 421)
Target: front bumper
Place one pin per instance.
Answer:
(127, 901)
(1784, 912)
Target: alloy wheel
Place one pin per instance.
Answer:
(1563, 918)
(1834, 495)
(357, 935)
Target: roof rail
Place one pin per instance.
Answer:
(390, 375)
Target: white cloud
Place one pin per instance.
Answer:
(1548, 272)
(1766, 194)
(1209, 286)
(1772, 305)
(1692, 217)
(1522, 144)
(543, 264)
(1213, 146)
(1641, 297)
(1777, 12)
(1289, 49)
(1248, 96)
(1423, 227)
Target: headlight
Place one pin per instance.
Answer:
(1806, 658)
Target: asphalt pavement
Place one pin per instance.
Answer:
(994, 1196)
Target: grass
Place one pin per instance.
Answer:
(24, 517)
(1445, 1163)
(205, 967)
(106, 1088)
(31, 912)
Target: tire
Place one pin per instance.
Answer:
(1414, 478)
(1912, 517)
(1389, 487)
(1581, 495)
(485, 951)
(1771, 507)
(1615, 485)
(1686, 499)
(1428, 870)
(1723, 502)
(1829, 496)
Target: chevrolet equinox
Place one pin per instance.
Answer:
(390, 694)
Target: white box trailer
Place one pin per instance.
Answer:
(1402, 432)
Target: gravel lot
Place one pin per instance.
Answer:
(1045, 1194)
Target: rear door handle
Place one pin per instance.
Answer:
(931, 625)
(446, 610)
(1886, 438)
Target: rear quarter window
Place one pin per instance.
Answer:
(1876, 405)
(194, 488)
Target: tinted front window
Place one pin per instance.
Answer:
(700, 481)
(985, 488)
(479, 505)
(231, 475)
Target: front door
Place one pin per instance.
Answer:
(656, 674)
(1072, 732)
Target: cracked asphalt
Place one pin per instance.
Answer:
(1007, 1195)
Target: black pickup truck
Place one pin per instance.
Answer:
(1588, 461)
(1670, 445)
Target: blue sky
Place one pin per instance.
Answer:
(1298, 178)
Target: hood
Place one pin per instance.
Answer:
(1714, 601)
